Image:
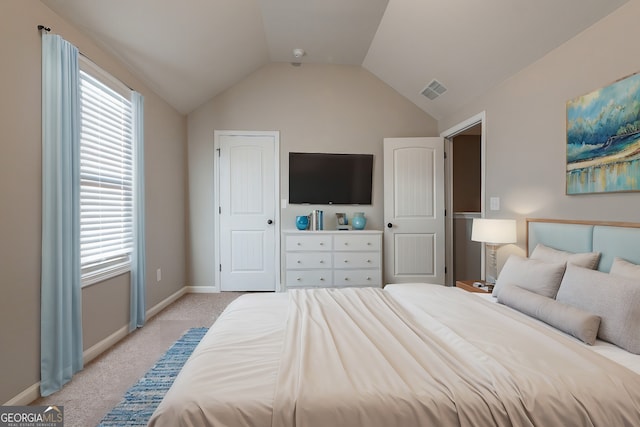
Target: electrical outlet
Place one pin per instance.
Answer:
(158, 275)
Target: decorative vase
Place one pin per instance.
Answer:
(302, 222)
(358, 221)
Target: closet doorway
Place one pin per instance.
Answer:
(465, 199)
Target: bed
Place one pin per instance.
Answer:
(421, 354)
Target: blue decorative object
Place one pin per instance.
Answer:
(142, 399)
(302, 222)
(358, 221)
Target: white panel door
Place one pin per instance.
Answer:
(414, 208)
(247, 211)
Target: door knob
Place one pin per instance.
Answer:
(389, 225)
(269, 222)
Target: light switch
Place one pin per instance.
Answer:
(494, 203)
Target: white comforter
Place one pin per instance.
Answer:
(406, 356)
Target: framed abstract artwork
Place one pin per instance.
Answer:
(603, 139)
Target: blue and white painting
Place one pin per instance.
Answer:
(603, 139)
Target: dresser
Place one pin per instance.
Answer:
(332, 258)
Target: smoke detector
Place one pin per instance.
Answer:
(434, 89)
(298, 53)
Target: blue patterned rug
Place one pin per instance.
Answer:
(141, 400)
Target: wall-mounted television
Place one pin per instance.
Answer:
(330, 179)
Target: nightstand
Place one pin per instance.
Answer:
(468, 286)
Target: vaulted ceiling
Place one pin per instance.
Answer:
(188, 51)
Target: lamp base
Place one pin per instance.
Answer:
(493, 264)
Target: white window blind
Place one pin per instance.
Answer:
(106, 180)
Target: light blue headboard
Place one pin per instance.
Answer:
(611, 239)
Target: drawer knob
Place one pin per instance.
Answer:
(346, 279)
(369, 261)
(368, 243)
(321, 243)
(299, 244)
(346, 243)
(322, 279)
(298, 279)
(321, 261)
(346, 261)
(368, 278)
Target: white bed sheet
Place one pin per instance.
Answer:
(231, 377)
(606, 349)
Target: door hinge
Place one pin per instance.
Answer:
(445, 212)
(219, 209)
(445, 270)
(218, 150)
(220, 267)
(445, 154)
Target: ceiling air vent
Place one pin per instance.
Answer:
(434, 90)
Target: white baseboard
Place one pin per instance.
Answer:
(97, 349)
(33, 392)
(165, 302)
(26, 397)
(202, 289)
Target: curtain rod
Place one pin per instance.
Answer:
(48, 29)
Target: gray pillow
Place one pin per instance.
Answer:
(571, 320)
(534, 275)
(585, 259)
(624, 268)
(615, 299)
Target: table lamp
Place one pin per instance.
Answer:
(493, 232)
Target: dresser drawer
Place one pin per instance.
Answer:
(298, 260)
(314, 259)
(356, 260)
(308, 243)
(351, 242)
(356, 278)
(308, 278)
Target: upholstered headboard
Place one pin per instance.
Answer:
(611, 239)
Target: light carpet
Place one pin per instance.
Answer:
(141, 399)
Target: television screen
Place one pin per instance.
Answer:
(330, 179)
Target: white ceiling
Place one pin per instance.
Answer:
(188, 51)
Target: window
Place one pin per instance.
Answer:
(106, 175)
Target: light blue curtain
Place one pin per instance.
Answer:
(61, 316)
(138, 258)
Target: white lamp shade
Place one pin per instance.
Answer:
(494, 231)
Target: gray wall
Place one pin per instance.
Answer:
(330, 108)
(105, 305)
(526, 126)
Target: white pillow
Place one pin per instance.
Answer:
(585, 259)
(566, 318)
(615, 299)
(624, 268)
(534, 275)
